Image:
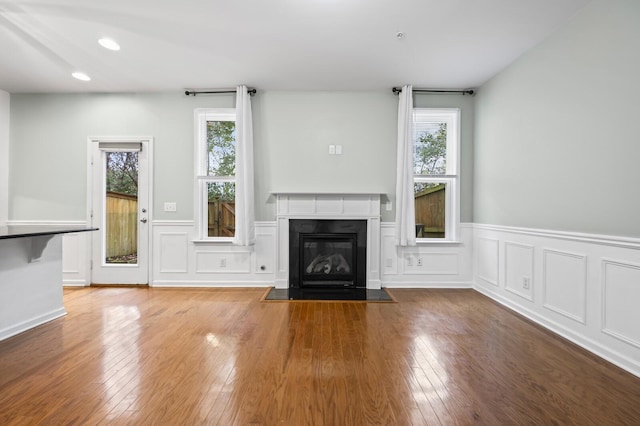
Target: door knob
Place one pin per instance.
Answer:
(143, 220)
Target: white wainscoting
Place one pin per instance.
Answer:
(621, 300)
(431, 265)
(585, 288)
(518, 267)
(179, 261)
(76, 250)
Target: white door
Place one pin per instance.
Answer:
(119, 207)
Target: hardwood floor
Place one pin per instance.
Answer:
(221, 356)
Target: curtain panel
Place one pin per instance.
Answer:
(245, 209)
(405, 203)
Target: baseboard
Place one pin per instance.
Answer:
(29, 324)
(430, 284)
(74, 283)
(210, 284)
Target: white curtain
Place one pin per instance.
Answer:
(245, 216)
(405, 210)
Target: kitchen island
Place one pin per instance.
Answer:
(31, 276)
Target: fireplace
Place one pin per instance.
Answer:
(327, 253)
(359, 213)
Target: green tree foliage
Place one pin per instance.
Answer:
(430, 155)
(221, 158)
(122, 172)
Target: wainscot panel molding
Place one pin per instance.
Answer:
(181, 260)
(487, 252)
(620, 300)
(583, 287)
(518, 266)
(426, 265)
(76, 250)
(564, 283)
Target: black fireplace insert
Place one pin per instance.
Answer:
(327, 253)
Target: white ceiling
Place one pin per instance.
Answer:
(268, 44)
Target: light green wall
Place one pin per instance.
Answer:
(292, 134)
(48, 173)
(557, 134)
(295, 130)
(5, 102)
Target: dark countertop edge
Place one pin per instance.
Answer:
(23, 232)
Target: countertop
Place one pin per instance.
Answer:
(22, 231)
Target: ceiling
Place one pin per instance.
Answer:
(268, 44)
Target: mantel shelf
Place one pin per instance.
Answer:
(326, 193)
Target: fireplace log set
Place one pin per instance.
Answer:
(328, 263)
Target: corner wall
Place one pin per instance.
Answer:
(5, 102)
(556, 136)
(556, 205)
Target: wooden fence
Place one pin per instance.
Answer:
(221, 219)
(122, 224)
(430, 212)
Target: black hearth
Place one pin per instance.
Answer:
(327, 253)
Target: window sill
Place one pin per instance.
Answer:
(213, 241)
(427, 242)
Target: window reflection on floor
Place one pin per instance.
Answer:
(120, 337)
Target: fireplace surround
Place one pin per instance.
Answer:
(362, 207)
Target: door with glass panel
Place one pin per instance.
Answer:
(120, 208)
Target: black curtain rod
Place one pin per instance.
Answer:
(397, 90)
(194, 93)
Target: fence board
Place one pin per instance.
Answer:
(122, 224)
(430, 212)
(221, 220)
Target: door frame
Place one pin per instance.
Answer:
(147, 144)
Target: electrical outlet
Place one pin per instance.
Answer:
(419, 261)
(332, 149)
(170, 207)
(223, 262)
(526, 283)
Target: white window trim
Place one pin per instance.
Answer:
(452, 179)
(202, 115)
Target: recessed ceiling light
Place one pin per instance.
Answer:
(81, 76)
(108, 43)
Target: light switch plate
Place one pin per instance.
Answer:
(332, 149)
(338, 149)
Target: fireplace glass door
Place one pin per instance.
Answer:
(328, 260)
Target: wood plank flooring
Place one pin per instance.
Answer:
(221, 356)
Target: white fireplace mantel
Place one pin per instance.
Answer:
(363, 206)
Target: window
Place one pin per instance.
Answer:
(216, 172)
(435, 164)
